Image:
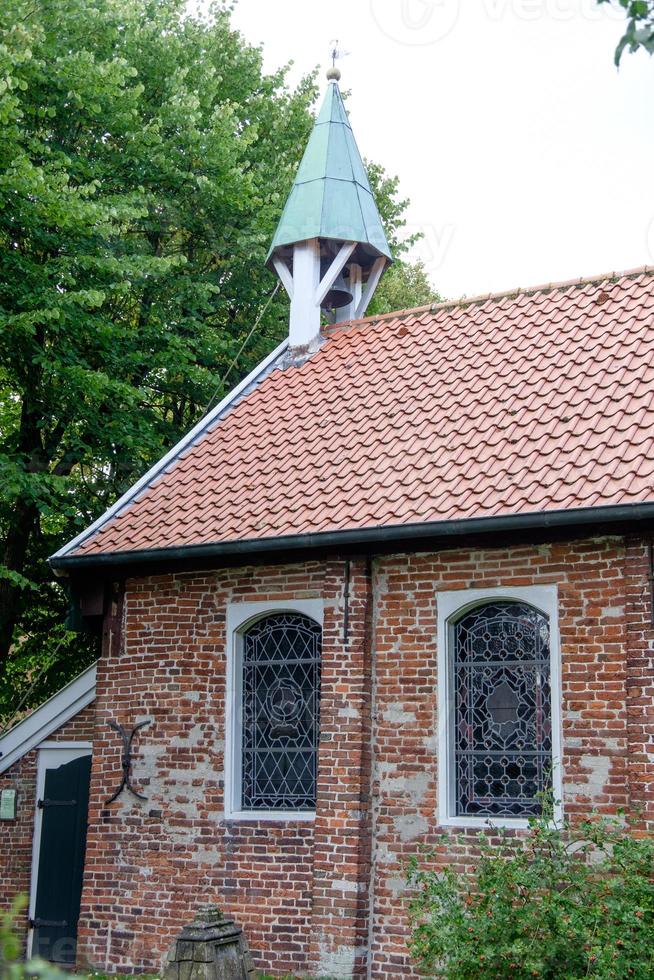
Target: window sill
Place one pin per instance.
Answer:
(270, 816)
(485, 823)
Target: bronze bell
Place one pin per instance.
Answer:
(339, 295)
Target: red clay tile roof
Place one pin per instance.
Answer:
(509, 404)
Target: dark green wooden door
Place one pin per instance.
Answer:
(61, 860)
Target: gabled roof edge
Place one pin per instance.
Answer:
(171, 456)
(46, 719)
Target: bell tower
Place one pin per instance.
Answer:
(329, 249)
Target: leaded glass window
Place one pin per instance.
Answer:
(502, 710)
(281, 701)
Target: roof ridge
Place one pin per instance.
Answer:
(447, 304)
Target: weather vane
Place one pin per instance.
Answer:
(334, 73)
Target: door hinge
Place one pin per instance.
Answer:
(43, 803)
(48, 923)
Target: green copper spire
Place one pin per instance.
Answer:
(331, 196)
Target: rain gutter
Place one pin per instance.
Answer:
(615, 518)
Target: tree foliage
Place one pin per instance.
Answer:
(144, 161)
(404, 285)
(558, 904)
(640, 26)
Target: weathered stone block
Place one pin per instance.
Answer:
(185, 970)
(212, 947)
(184, 951)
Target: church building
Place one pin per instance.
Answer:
(396, 586)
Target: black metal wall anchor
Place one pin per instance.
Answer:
(39, 923)
(127, 735)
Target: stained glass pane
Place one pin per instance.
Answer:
(281, 701)
(502, 698)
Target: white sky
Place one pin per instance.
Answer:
(527, 157)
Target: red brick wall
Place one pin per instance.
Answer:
(639, 611)
(151, 864)
(606, 641)
(341, 864)
(302, 891)
(16, 835)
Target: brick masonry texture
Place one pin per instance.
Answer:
(16, 836)
(328, 897)
(606, 640)
(150, 864)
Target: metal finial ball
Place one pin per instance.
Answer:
(333, 74)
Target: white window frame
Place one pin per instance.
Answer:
(51, 755)
(451, 605)
(240, 616)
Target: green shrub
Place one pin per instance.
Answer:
(554, 903)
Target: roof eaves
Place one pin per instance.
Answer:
(402, 535)
(204, 425)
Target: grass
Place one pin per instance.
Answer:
(150, 976)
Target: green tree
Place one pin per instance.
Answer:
(144, 161)
(403, 286)
(640, 26)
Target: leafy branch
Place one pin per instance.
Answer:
(640, 27)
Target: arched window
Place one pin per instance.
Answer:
(280, 694)
(501, 743)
